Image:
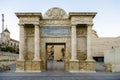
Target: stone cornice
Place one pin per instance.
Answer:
(24, 14)
(93, 14)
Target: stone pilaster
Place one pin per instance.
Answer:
(89, 42)
(22, 45)
(37, 43)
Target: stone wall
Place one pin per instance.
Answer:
(100, 44)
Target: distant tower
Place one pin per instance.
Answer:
(2, 22)
(2, 33)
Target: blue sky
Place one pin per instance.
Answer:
(106, 22)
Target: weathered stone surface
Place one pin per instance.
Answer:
(74, 66)
(89, 66)
(81, 55)
(101, 44)
(36, 66)
(28, 65)
(20, 66)
(73, 31)
(66, 65)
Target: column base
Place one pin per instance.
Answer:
(74, 60)
(36, 59)
(36, 65)
(20, 60)
(87, 66)
(27, 71)
(73, 66)
(90, 59)
(82, 66)
(20, 66)
(28, 66)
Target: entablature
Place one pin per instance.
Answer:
(82, 17)
(29, 18)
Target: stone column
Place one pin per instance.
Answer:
(37, 43)
(89, 42)
(22, 42)
(74, 63)
(73, 43)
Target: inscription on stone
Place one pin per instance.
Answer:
(61, 31)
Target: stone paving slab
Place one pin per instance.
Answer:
(57, 78)
(59, 75)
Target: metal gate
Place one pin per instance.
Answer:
(55, 65)
(55, 57)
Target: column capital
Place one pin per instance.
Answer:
(37, 24)
(73, 25)
(20, 24)
(90, 25)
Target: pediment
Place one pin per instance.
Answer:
(55, 13)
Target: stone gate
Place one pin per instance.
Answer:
(74, 30)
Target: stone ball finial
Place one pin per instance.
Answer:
(55, 13)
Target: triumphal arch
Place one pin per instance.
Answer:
(55, 36)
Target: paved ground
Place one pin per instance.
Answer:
(60, 75)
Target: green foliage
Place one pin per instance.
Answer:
(8, 49)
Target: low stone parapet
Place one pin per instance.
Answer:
(112, 67)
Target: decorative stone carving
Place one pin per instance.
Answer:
(55, 13)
